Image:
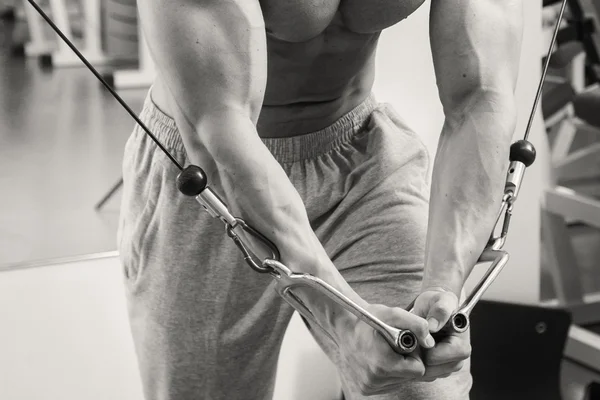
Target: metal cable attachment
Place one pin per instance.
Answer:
(251, 259)
(506, 223)
(192, 182)
(522, 155)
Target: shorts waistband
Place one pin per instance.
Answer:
(284, 150)
(314, 144)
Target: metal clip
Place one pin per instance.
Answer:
(251, 259)
(192, 182)
(505, 214)
(506, 223)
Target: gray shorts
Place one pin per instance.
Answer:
(205, 325)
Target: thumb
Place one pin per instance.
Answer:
(403, 319)
(438, 309)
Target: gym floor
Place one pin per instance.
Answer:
(61, 147)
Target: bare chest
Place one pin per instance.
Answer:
(302, 20)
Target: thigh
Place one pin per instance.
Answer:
(204, 325)
(376, 238)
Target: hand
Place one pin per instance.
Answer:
(368, 360)
(437, 305)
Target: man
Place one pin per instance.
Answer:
(273, 100)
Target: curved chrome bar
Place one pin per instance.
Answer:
(460, 320)
(499, 259)
(401, 340)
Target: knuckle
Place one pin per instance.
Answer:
(362, 388)
(458, 366)
(441, 310)
(375, 371)
(371, 374)
(466, 351)
(421, 327)
(431, 359)
(437, 296)
(365, 388)
(417, 372)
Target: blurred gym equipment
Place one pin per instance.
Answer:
(570, 107)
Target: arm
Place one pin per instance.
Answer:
(212, 56)
(476, 47)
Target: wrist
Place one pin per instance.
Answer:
(328, 314)
(303, 253)
(444, 289)
(332, 316)
(448, 279)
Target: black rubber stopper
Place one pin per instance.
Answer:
(191, 181)
(522, 151)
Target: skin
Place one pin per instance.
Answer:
(232, 71)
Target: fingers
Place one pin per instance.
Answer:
(442, 371)
(452, 349)
(441, 307)
(388, 373)
(395, 366)
(391, 387)
(375, 368)
(403, 319)
(380, 385)
(433, 379)
(384, 362)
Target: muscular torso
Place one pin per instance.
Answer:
(321, 57)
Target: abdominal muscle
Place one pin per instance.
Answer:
(310, 84)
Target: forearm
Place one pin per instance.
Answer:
(467, 185)
(212, 57)
(255, 187)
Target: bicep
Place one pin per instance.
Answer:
(476, 46)
(210, 53)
